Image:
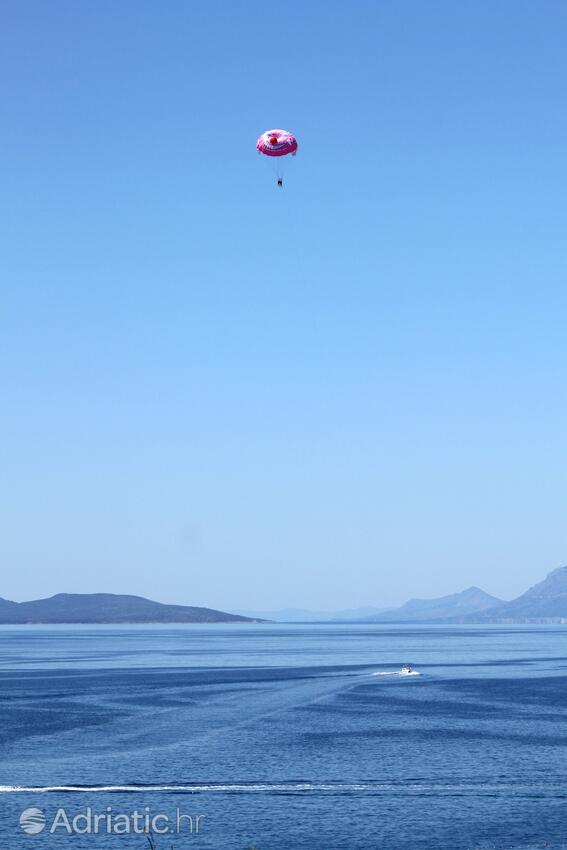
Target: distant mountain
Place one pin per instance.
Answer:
(7, 607)
(545, 600)
(453, 608)
(304, 615)
(108, 608)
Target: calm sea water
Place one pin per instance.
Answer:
(281, 736)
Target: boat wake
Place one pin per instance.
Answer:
(369, 787)
(397, 673)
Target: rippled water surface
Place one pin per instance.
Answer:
(282, 737)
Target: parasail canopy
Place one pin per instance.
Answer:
(277, 143)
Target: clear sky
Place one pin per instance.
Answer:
(349, 391)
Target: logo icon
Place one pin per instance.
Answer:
(32, 821)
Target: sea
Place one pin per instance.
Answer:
(283, 737)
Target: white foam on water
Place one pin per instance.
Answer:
(295, 787)
(396, 673)
(290, 786)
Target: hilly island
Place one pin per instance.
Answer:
(108, 608)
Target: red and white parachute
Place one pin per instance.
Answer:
(277, 143)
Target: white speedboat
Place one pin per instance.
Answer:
(407, 670)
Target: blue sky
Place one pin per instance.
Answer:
(349, 391)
